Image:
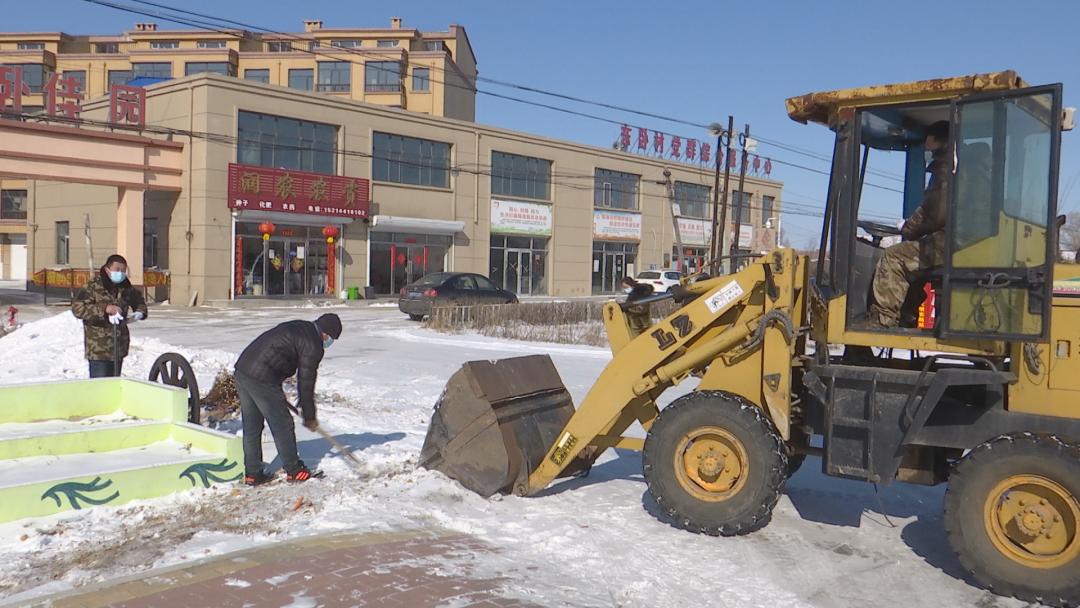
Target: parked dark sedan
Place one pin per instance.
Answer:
(442, 288)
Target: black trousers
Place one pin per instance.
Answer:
(264, 402)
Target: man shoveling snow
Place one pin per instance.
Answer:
(293, 347)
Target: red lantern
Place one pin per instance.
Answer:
(266, 228)
(330, 232)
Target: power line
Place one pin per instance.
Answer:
(198, 23)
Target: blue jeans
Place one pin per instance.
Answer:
(104, 369)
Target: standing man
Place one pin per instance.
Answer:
(103, 305)
(924, 237)
(293, 347)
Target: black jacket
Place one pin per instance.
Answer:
(638, 292)
(293, 347)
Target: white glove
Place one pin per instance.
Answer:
(116, 319)
(136, 316)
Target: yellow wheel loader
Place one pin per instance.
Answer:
(783, 351)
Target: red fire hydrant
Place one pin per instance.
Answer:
(11, 311)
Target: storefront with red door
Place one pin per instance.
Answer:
(403, 249)
(287, 228)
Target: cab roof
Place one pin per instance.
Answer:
(822, 107)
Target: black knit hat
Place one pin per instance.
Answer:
(329, 324)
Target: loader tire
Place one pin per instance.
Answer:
(1012, 511)
(715, 464)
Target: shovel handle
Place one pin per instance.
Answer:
(328, 437)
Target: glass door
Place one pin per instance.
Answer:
(998, 261)
(518, 275)
(614, 270)
(276, 266)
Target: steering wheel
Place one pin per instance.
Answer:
(877, 231)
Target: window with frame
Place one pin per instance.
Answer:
(421, 79)
(740, 207)
(434, 45)
(767, 209)
(165, 44)
(150, 242)
(382, 76)
(211, 44)
(692, 199)
(302, 79)
(34, 75)
(209, 67)
(119, 77)
(335, 76)
(12, 204)
(279, 46)
(31, 46)
(386, 44)
(346, 44)
(410, 160)
(275, 141)
(615, 189)
(63, 234)
(107, 48)
(79, 76)
(152, 70)
(520, 176)
(258, 75)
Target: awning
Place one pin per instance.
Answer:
(415, 225)
(296, 219)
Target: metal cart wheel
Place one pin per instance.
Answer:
(173, 369)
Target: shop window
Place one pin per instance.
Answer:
(519, 264)
(615, 190)
(258, 75)
(63, 239)
(611, 262)
(399, 259)
(520, 176)
(692, 199)
(209, 67)
(335, 76)
(12, 204)
(410, 160)
(302, 79)
(161, 69)
(382, 76)
(286, 143)
(421, 79)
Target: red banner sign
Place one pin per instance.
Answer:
(265, 189)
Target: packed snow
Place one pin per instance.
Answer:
(594, 541)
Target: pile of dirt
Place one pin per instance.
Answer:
(222, 402)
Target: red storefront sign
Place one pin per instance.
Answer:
(265, 189)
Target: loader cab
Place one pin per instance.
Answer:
(989, 277)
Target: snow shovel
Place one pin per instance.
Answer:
(344, 451)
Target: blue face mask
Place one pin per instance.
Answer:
(117, 276)
(327, 342)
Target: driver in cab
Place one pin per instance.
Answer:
(924, 237)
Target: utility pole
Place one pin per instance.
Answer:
(744, 139)
(719, 235)
(674, 218)
(718, 131)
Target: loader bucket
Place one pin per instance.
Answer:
(495, 421)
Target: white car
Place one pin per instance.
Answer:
(661, 280)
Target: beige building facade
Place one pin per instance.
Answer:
(538, 216)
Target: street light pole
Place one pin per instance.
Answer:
(670, 185)
(718, 235)
(744, 139)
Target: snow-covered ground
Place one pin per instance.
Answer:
(586, 542)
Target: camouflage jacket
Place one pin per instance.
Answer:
(89, 305)
(930, 216)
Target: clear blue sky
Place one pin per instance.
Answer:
(699, 60)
